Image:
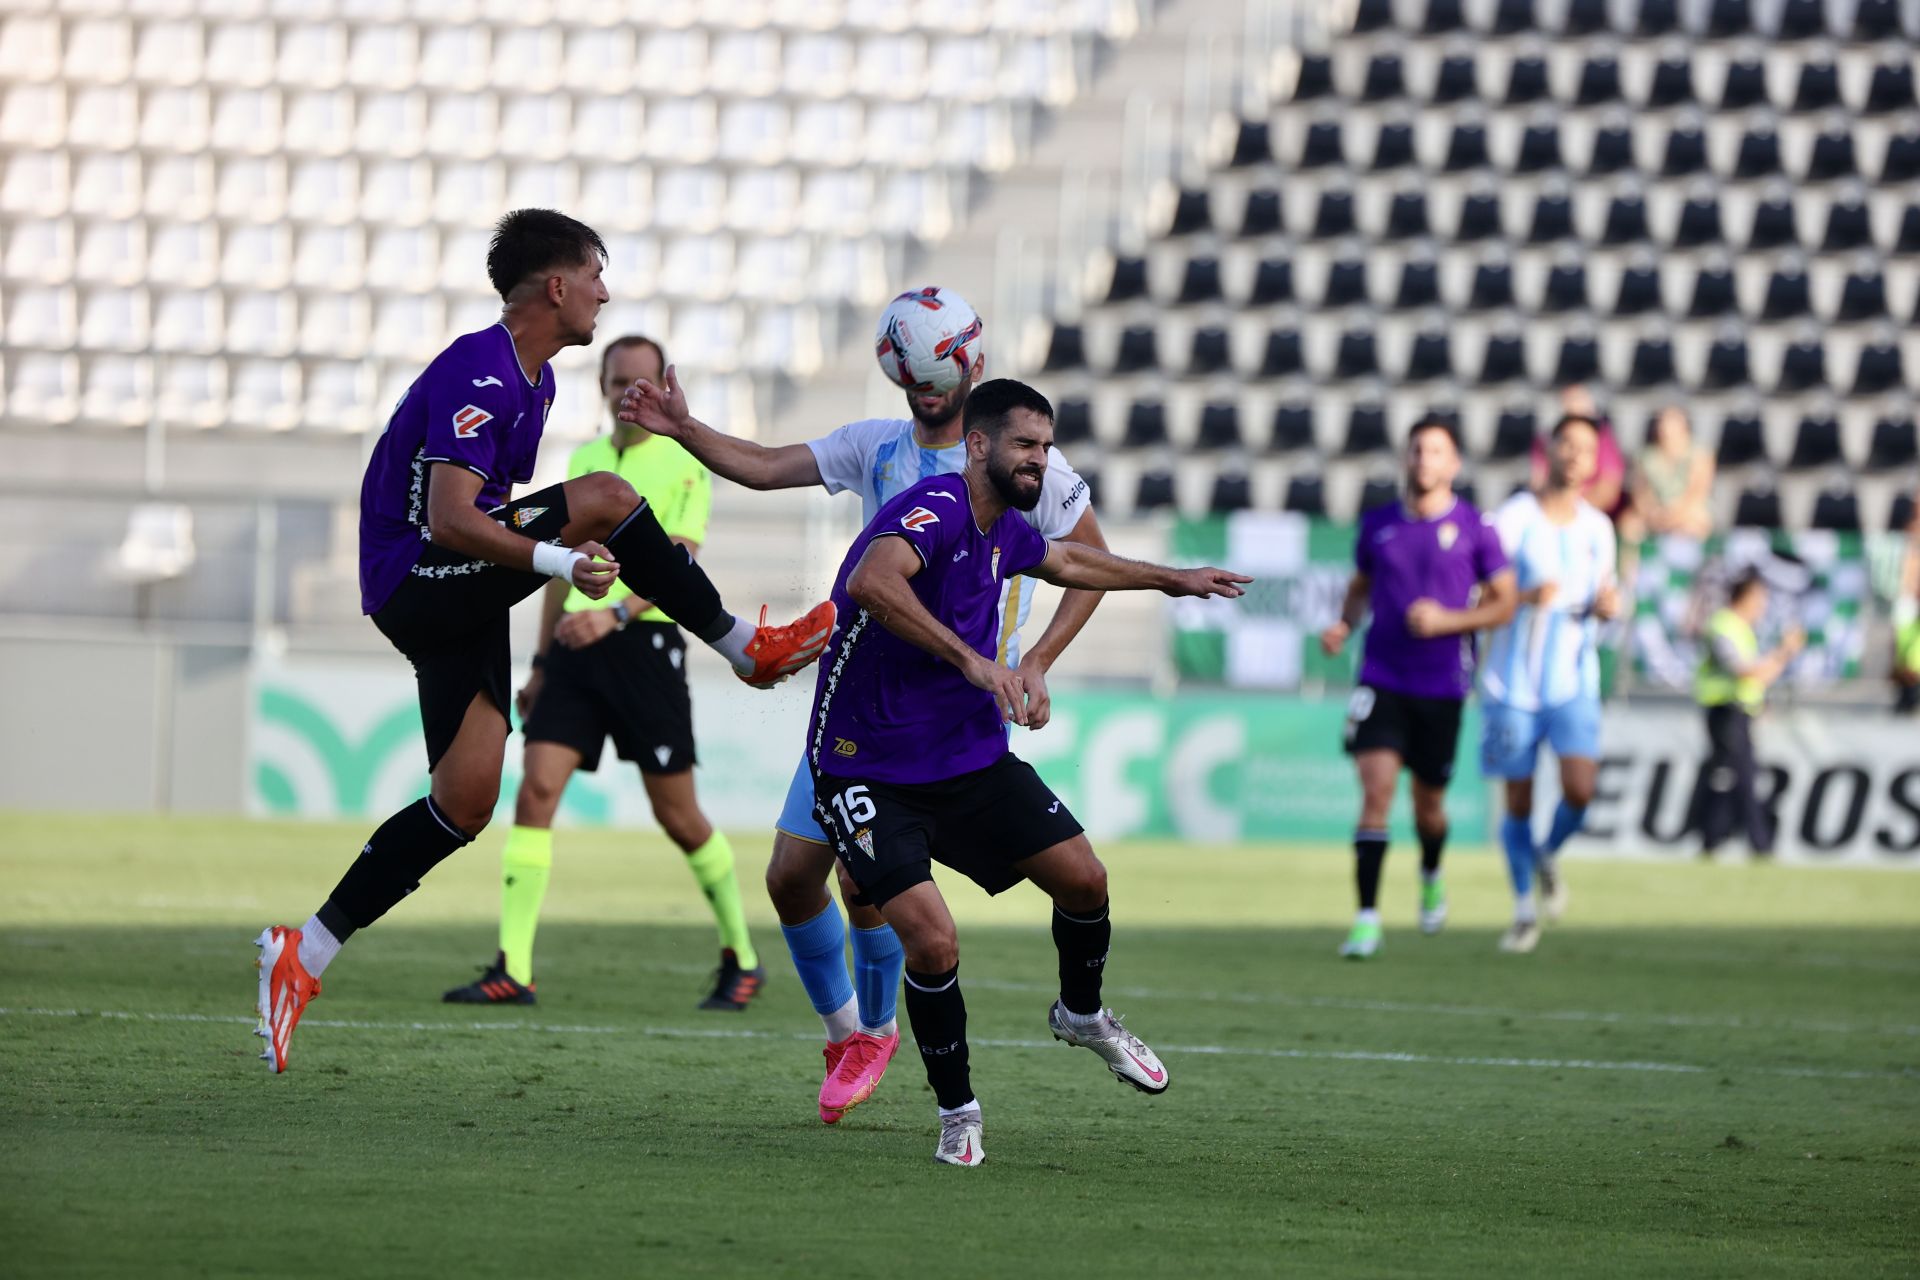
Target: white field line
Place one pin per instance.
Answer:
(1205, 1050)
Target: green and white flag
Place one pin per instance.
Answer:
(1269, 638)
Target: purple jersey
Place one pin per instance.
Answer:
(887, 710)
(1409, 559)
(472, 407)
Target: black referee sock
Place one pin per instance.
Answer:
(408, 845)
(1370, 854)
(1082, 942)
(938, 1016)
(1432, 845)
(656, 568)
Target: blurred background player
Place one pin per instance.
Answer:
(444, 555)
(878, 459)
(1731, 687)
(1431, 573)
(907, 747)
(1540, 679)
(616, 667)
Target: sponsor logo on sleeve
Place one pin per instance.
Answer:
(467, 422)
(1073, 496)
(918, 518)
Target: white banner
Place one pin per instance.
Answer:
(1844, 787)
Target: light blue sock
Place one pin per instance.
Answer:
(1567, 822)
(878, 961)
(1516, 837)
(819, 950)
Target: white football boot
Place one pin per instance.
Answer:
(1521, 937)
(1553, 887)
(1123, 1052)
(960, 1139)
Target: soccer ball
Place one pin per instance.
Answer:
(927, 340)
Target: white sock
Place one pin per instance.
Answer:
(1080, 1021)
(893, 1024)
(1523, 913)
(318, 946)
(842, 1022)
(733, 645)
(971, 1104)
(1368, 915)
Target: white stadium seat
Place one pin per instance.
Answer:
(753, 132)
(403, 258)
(240, 54)
(257, 257)
(114, 320)
(339, 397)
(536, 125)
(176, 119)
(170, 52)
(393, 124)
(600, 58)
(892, 66)
(330, 258)
(112, 252)
(763, 200)
(33, 115)
(965, 68)
(904, 133)
(99, 50)
(409, 327)
(42, 319)
(264, 394)
(193, 392)
(609, 129)
(36, 184)
(40, 251)
(456, 57)
(682, 129)
(313, 55)
(673, 63)
(818, 65)
(252, 189)
(838, 202)
(463, 257)
(30, 47)
(382, 57)
(830, 134)
(617, 197)
(709, 337)
(786, 340)
(118, 391)
(104, 116)
(698, 267)
(541, 186)
(396, 192)
(43, 388)
(188, 321)
(468, 193)
(247, 121)
(262, 323)
(745, 64)
(335, 324)
(633, 264)
(852, 271)
(463, 124)
(772, 269)
(324, 190)
(690, 199)
(530, 59)
(180, 187)
(107, 185)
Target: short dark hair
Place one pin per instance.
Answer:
(527, 242)
(990, 404)
(1745, 582)
(621, 344)
(1573, 420)
(1436, 422)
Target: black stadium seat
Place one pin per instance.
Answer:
(1891, 88)
(1072, 421)
(1759, 155)
(1612, 149)
(1334, 217)
(1492, 286)
(1200, 282)
(1745, 85)
(1505, 360)
(1220, 425)
(1599, 81)
(1281, 357)
(1818, 88)
(1155, 492)
(1366, 431)
(1742, 442)
(1192, 213)
(1900, 518)
(1699, 222)
(1139, 350)
(1566, 287)
(1066, 349)
(1758, 508)
(1232, 491)
(1879, 369)
(1729, 18)
(1379, 491)
(1431, 357)
(1419, 285)
(1372, 15)
(1803, 19)
(1386, 79)
(1262, 216)
(1803, 367)
(1443, 16)
(1727, 363)
(1849, 225)
(1639, 291)
(1837, 509)
(1346, 283)
(1815, 444)
(1212, 352)
(1626, 220)
(1787, 294)
(1552, 218)
(1713, 293)
(1864, 296)
(1657, 18)
(1129, 280)
(1272, 282)
(1292, 426)
(1306, 495)
(1900, 162)
(1315, 79)
(1513, 435)
(1146, 424)
(1579, 360)
(1455, 81)
(1539, 148)
(1407, 215)
(1527, 80)
(1895, 444)
(1774, 223)
(1252, 145)
(1585, 18)
(1479, 217)
(1511, 17)
(1358, 355)
(1393, 146)
(1832, 155)
(1875, 20)
(1686, 151)
(1652, 363)
(1467, 148)
(1672, 84)
(1324, 146)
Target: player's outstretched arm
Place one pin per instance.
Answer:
(663, 411)
(1074, 565)
(461, 527)
(880, 585)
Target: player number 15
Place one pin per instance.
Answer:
(855, 806)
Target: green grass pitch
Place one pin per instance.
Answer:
(1706, 1070)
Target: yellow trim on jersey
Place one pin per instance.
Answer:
(1009, 619)
(672, 481)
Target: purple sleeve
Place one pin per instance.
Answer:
(1021, 547)
(1489, 556)
(928, 526)
(466, 423)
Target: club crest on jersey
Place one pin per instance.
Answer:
(527, 515)
(467, 422)
(918, 519)
(1449, 534)
(864, 838)
(996, 562)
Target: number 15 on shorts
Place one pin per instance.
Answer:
(855, 808)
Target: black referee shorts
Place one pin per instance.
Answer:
(631, 687)
(449, 617)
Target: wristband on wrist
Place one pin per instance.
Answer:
(556, 561)
(621, 616)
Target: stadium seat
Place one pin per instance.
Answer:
(1729, 18)
(264, 394)
(1672, 82)
(1504, 359)
(1315, 78)
(1146, 425)
(1879, 369)
(1492, 285)
(1626, 219)
(1129, 280)
(1378, 491)
(1307, 495)
(1346, 283)
(1334, 217)
(1431, 356)
(1539, 147)
(1908, 238)
(1864, 295)
(1552, 218)
(1900, 161)
(1272, 282)
(1836, 509)
(1849, 225)
(1892, 87)
(1357, 356)
(1455, 80)
(1758, 508)
(1371, 15)
(1743, 441)
(1393, 146)
(1192, 212)
(1599, 80)
(1156, 491)
(1514, 434)
(1652, 363)
(1293, 427)
(1832, 156)
(1713, 291)
(1232, 491)
(1686, 152)
(1211, 352)
(1803, 367)
(1639, 289)
(1443, 16)
(1200, 281)
(1759, 155)
(1219, 426)
(1407, 215)
(1252, 145)
(43, 387)
(1566, 288)
(1282, 355)
(1699, 223)
(1579, 359)
(1818, 88)
(1900, 518)
(1262, 215)
(1139, 350)
(1816, 443)
(1419, 284)
(1527, 80)
(1323, 146)
(1895, 444)
(1787, 293)
(1073, 422)
(1467, 149)
(1066, 349)
(1385, 79)
(1727, 365)
(1479, 217)
(1366, 431)
(1802, 19)
(1774, 223)
(193, 392)
(1512, 17)
(1745, 85)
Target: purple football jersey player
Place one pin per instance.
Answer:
(473, 407)
(1432, 573)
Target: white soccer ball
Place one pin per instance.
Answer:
(927, 340)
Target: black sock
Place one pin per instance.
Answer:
(1431, 847)
(408, 845)
(1370, 852)
(659, 569)
(1082, 942)
(938, 1016)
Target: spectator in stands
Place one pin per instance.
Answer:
(1906, 625)
(1672, 483)
(1731, 687)
(1607, 487)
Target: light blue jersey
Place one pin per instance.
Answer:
(880, 459)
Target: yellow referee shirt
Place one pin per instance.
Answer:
(672, 481)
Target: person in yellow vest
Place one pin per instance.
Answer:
(616, 668)
(1731, 686)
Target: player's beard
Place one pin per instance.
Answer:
(941, 416)
(1005, 481)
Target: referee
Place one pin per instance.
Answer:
(616, 667)
(1731, 687)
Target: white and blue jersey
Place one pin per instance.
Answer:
(879, 459)
(1540, 677)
